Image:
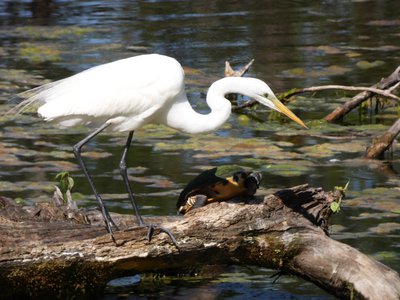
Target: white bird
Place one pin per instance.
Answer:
(126, 94)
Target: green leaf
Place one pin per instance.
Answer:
(62, 175)
(70, 183)
(20, 201)
(341, 188)
(65, 184)
(335, 207)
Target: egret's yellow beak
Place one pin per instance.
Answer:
(279, 106)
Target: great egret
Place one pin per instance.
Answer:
(126, 94)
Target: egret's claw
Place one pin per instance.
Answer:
(150, 233)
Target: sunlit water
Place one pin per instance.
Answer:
(294, 43)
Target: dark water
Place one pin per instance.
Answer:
(294, 44)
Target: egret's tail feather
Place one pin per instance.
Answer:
(29, 98)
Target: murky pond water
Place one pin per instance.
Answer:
(294, 43)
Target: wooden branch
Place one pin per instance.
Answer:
(229, 72)
(344, 88)
(382, 143)
(249, 103)
(386, 93)
(285, 231)
(384, 84)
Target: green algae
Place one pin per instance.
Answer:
(385, 228)
(380, 198)
(9, 77)
(39, 52)
(46, 32)
(364, 65)
(325, 150)
(22, 186)
(332, 70)
(287, 169)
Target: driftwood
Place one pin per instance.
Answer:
(383, 142)
(41, 256)
(385, 84)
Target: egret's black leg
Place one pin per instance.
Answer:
(77, 151)
(124, 173)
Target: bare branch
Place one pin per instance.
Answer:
(390, 89)
(229, 72)
(384, 84)
(249, 103)
(345, 88)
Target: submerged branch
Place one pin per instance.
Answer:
(383, 142)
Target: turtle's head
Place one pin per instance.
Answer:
(240, 178)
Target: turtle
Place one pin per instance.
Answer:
(209, 186)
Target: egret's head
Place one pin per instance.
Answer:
(264, 95)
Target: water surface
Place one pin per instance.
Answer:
(294, 44)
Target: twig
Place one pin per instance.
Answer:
(229, 72)
(345, 88)
(249, 103)
(386, 93)
(384, 84)
(392, 88)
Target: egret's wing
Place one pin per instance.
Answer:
(126, 87)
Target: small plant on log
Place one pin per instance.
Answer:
(66, 183)
(335, 205)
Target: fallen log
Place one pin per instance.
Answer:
(44, 257)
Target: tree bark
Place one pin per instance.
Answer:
(344, 109)
(382, 143)
(42, 256)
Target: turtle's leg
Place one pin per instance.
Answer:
(193, 202)
(201, 200)
(124, 174)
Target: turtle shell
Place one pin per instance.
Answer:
(209, 186)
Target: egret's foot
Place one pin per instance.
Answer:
(113, 238)
(150, 232)
(110, 224)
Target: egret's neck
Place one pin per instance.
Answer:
(182, 116)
